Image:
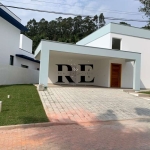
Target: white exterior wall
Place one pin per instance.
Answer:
(103, 66)
(25, 43)
(9, 41)
(9, 45)
(16, 75)
(135, 44)
(53, 70)
(30, 64)
(102, 73)
(103, 70)
(103, 42)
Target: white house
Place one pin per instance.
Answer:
(118, 56)
(17, 63)
(15, 48)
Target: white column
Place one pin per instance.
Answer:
(137, 74)
(44, 67)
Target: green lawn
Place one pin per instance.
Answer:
(145, 92)
(24, 105)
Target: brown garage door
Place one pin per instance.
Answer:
(115, 75)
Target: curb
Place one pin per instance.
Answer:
(47, 124)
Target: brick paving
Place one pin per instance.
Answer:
(78, 104)
(134, 135)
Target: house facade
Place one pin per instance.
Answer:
(124, 38)
(113, 56)
(15, 48)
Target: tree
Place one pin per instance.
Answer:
(146, 27)
(124, 23)
(69, 30)
(101, 20)
(146, 7)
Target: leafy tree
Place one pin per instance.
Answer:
(69, 30)
(124, 23)
(101, 20)
(146, 27)
(146, 7)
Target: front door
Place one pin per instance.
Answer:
(115, 79)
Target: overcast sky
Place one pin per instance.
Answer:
(86, 7)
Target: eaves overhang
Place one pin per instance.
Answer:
(116, 29)
(11, 20)
(27, 58)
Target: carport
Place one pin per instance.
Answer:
(63, 63)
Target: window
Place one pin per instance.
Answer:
(116, 43)
(11, 60)
(24, 66)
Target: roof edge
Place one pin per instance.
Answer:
(117, 29)
(11, 20)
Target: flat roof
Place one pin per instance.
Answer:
(117, 29)
(47, 45)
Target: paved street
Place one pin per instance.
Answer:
(126, 135)
(85, 104)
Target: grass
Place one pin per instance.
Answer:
(24, 105)
(145, 92)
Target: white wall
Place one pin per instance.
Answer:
(53, 70)
(16, 75)
(9, 41)
(133, 44)
(25, 43)
(9, 45)
(142, 46)
(101, 71)
(102, 42)
(30, 64)
(126, 72)
(103, 68)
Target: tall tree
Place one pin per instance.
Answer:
(68, 30)
(101, 20)
(146, 7)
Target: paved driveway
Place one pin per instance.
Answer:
(79, 104)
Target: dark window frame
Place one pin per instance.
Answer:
(24, 66)
(11, 60)
(115, 42)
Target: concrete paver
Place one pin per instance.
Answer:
(76, 104)
(134, 135)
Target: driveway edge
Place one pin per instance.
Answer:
(47, 124)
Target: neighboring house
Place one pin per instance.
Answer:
(119, 56)
(15, 48)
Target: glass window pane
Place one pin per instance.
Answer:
(116, 43)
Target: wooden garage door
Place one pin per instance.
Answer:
(115, 75)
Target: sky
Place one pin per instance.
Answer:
(110, 8)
